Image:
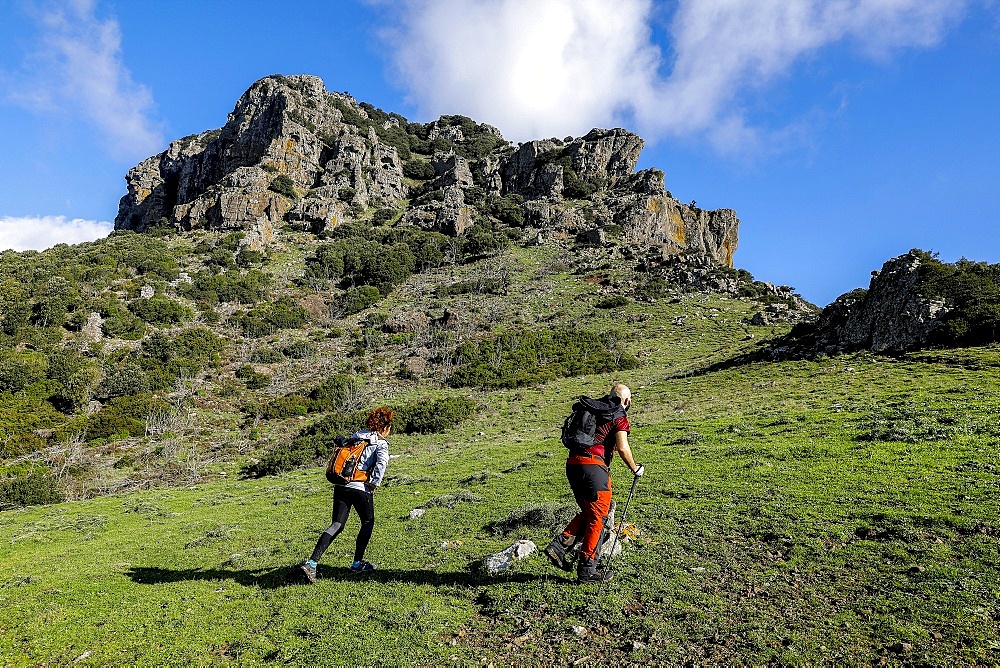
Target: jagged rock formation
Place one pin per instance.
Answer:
(890, 316)
(293, 151)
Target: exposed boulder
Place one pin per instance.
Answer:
(501, 562)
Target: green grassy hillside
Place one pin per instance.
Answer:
(842, 510)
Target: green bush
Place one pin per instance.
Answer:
(434, 417)
(35, 487)
(522, 358)
(508, 210)
(356, 300)
(283, 185)
(124, 325)
(972, 290)
(298, 350)
(231, 287)
(122, 417)
(125, 379)
(266, 355)
(418, 169)
(159, 310)
(612, 301)
(268, 318)
(165, 357)
(257, 381)
(479, 241)
(19, 369)
(383, 216)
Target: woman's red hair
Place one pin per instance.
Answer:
(380, 419)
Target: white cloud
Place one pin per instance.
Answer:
(77, 69)
(533, 67)
(41, 232)
(537, 68)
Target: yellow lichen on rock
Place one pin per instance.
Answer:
(678, 232)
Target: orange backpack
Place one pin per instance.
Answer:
(342, 466)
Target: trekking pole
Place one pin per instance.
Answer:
(618, 534)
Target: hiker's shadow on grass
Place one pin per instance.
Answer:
(284, 576)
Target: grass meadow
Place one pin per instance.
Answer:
(833, 511)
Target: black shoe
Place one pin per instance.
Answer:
(588, 572)
(556, 552)
(309, 569)
(363, 566)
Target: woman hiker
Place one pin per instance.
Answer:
(358, 494)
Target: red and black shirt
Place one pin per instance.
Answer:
(604, 442)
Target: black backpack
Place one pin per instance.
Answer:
(580, 427)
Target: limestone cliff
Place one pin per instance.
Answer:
(293, 151)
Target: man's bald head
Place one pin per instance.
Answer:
(621, 391)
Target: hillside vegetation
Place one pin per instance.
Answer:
(838, 509)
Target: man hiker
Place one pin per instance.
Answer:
(588, 470)
(358, 494)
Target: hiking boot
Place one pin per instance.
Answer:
(363, 566)
(556, 552)
(587, 571)
(309, 569)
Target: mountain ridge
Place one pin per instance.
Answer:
(291, 150)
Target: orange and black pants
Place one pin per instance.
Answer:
(590, 481)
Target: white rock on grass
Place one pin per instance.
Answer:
(502, 561)
(416, 513)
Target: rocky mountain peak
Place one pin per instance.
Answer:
(292, 151)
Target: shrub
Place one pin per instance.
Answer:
(434, 417)
(972, 290)
(20, 369)
(266, 355)
(35, 487)
(164, 357)
(517, 359)
(654, 288)
(383, 216)
(257, 381)
(508, 210)
(247, 258)
(267, 318)
(126, 379)
(160, 310)
(613, 301)
(356, 300)
(299, 349)
(122, 416)
(283, 185)
(124, 325)
(420, 170)
(479, 241)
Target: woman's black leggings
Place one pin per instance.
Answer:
(345, 498)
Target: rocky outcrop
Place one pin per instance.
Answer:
(293, 151)
(890, 316)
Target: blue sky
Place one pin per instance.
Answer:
(843, 132)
